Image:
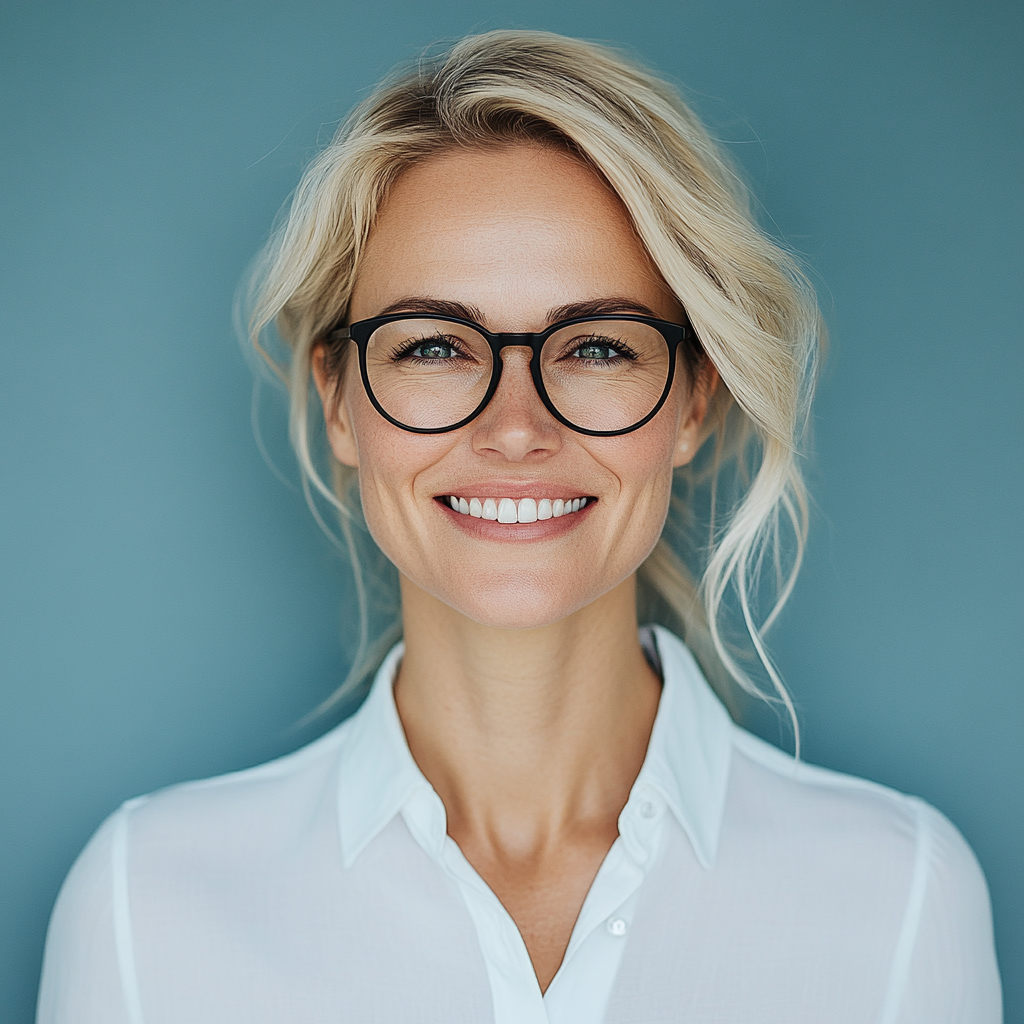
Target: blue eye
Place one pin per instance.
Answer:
(433, 350)
(599, 351)
(593, 351)
(429, 350)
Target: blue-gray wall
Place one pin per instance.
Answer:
(169, 609)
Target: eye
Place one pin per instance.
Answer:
(437, 349)
(602, 350)
(434, 350)
(595, 351)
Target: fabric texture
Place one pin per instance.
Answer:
(322, 887)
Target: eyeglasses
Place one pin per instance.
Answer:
(598, 375)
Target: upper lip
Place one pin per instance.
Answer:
(516, 489)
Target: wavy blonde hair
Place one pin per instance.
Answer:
(751, 306)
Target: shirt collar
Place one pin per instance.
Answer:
(377, 774)
(687, 759)
(690, 749)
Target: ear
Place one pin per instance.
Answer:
(336, 412)
(688, 438)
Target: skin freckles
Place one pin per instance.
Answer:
(523, 692)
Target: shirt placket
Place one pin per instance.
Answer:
(580, 990)
(517, 998)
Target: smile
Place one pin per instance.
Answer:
(508, 510)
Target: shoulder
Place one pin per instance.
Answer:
(82, 976)
(771, 788)
(152, 857)
(228, 820)
(889, 865)
(239, 816)
(827, 810)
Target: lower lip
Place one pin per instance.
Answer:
(491, 529)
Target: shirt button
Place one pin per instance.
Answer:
(617, 926)
(647, 809)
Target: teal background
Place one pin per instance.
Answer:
(169, 609)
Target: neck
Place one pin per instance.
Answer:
(527, 735)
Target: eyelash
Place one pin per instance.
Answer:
(414, 343)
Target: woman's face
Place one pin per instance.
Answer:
(515, 235)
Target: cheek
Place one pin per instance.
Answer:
(388, 509)
(642, 465)
(390, 461)
(384, 450)
(641, 462)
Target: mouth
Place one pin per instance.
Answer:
(513, 510)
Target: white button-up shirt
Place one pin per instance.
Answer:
(323, 887)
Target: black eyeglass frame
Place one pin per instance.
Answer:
(361, 331)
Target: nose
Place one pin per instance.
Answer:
(516, 426)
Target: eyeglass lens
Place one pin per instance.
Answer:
(604, 375)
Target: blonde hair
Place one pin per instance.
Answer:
(752, 308)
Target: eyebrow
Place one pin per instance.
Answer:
(433, 307)
(600, 307)
(444, 307)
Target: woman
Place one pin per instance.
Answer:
(530, 296)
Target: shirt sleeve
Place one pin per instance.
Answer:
(83, 962)
(945, 972)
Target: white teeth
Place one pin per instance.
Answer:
(508, 510)
(527, 510)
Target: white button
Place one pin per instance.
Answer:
(647, 809)
(617, 926)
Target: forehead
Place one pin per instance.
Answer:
(511, 229)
